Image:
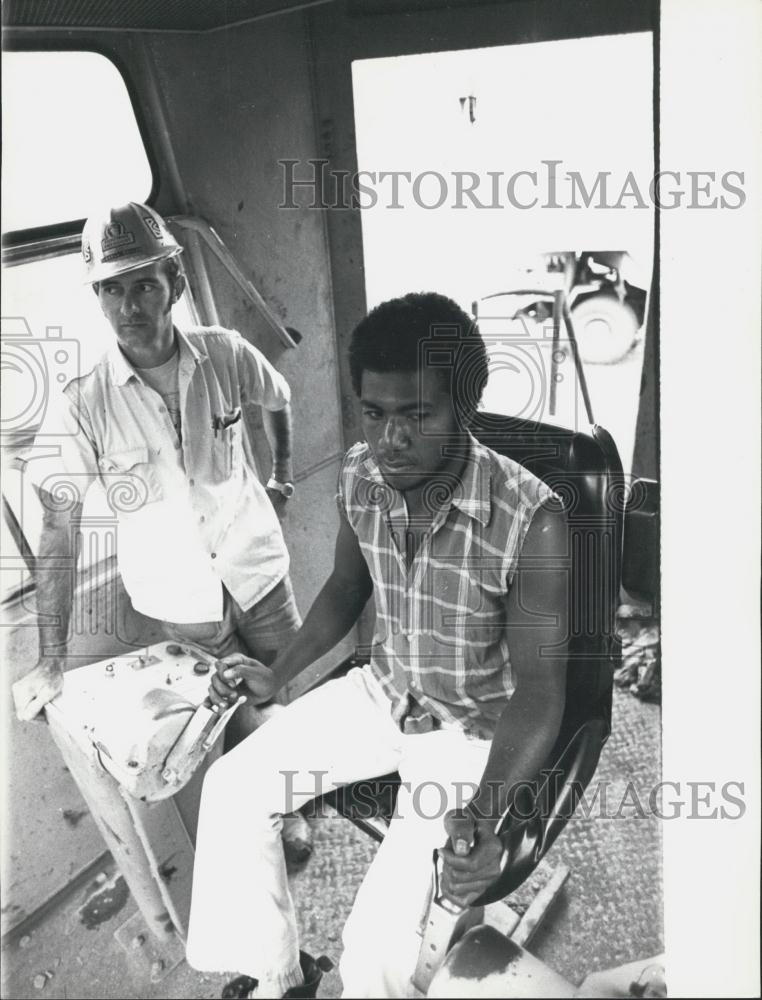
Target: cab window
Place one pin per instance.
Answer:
(70, 139)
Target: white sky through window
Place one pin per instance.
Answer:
(70, 139)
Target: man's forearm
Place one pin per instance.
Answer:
(278, 429)
(523, 740)
(333, 613)
(54, 584)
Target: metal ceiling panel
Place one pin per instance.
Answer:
(144, 15)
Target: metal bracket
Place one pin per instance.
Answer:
(148, 958)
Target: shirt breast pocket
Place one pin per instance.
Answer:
(129, 480)
(227, 451)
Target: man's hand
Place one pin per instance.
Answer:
(41, 685)
(470, 859)
(238, 674)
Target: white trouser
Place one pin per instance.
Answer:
(242, 915)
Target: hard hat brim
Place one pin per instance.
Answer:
(114, 268)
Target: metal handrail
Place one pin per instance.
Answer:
(43, 248)
(14, 254)
(228, 261)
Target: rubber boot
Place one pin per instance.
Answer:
(312, 970)
(296, 837)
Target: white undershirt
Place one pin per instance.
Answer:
(164, 379)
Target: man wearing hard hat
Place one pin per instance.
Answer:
(159, 420)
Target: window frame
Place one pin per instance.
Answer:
(62, 232)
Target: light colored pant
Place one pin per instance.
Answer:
(242, 915)
(260, 631)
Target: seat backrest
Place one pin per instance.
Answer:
(640, 552)
(586, 472)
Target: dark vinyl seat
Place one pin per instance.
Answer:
(585, 470)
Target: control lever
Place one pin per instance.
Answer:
(195, 740)
(461, 829)
(447, 919)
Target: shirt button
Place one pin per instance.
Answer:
(191, 482)
(178, 446)
(202, 519)
(162, 409)
(214, 555)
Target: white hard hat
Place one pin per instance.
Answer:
(123, 239)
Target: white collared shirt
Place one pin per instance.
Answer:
(191, 515)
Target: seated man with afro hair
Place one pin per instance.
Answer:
(462, 691)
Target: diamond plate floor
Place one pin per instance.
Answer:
(610, 911)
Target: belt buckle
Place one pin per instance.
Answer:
(415, 725)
